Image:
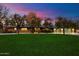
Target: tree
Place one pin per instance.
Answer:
(60, 23)
(4, 11)
(48, 24)
(1, 27)
(31, 16)
(17, 19)
(72, 24)
(33, 21)
(77, 24)
(24, 21)
(33, 24)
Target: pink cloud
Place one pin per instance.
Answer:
(16, 8)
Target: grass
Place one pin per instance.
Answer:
(39, 45)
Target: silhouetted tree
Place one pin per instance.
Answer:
(60, 23)
(48, 24)
(17, 19)
(1, 27)
(33, 24)
(24, 21)
(4, 11)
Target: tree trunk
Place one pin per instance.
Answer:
(63, 31)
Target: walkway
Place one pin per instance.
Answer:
(38, 33)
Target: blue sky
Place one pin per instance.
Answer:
(46, 9)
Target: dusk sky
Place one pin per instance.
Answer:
(45, 9)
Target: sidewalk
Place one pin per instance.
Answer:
(8, 33)
(38, 33)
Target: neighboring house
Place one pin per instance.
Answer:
(67, 30)
(77, 31)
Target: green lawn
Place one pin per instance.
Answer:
(39, 45)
